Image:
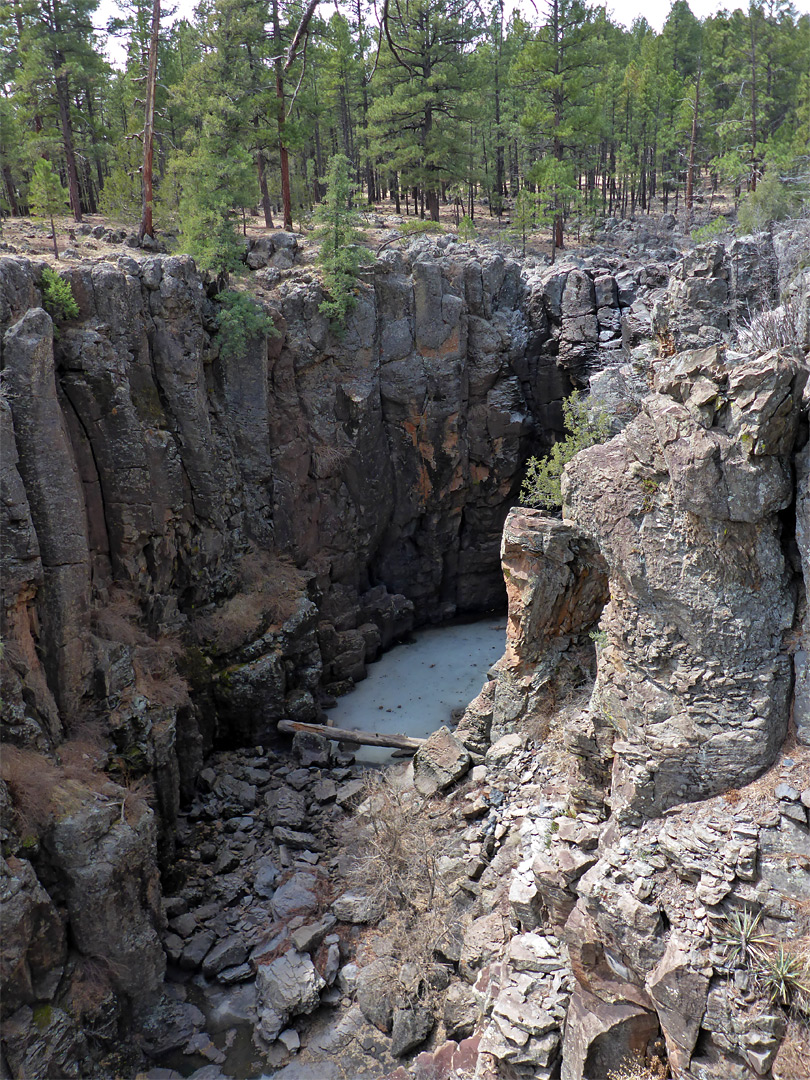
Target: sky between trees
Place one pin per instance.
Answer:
(624, 12)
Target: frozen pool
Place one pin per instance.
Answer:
(416, 687)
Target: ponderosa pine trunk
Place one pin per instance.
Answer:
(146, 227)
(13, 205)
(261, 169)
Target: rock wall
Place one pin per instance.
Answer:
(690, 510)
(684, 505)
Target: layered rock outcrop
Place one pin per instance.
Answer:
(690, 507)
(685, 506)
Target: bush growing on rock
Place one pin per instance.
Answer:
(239, 321)
(341, 255)
(772, 201)
(57, 296)
(417, 227)
(47, 196)
(396, 850)
(780, 328)
(541, 487)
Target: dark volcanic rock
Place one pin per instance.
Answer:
(410, 1028)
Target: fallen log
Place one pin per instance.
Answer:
(363, 738)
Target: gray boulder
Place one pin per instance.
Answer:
(377, 989)
(286, 806)
(286, 987)
(439, 762)
(411, 1026)
(228, 953)
(462, 1011)
(295, 897)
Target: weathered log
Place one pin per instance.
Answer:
(363, 738)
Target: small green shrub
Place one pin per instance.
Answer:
(743, 937)
(541, 486)
(466, 229)
(419, 228)
(342, 255)
(57, 296)
(710, 231)
(772, 201)
(649, 488)
(240, 320)
(785, 977)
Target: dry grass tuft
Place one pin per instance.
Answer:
(90, 987)
(269, 590)
(328, 460)
(31, 778)
(85, 751)
(140, 796)
(776, 329)
(156, 676)
(34, 779)
(793, 1060)
(118, 620)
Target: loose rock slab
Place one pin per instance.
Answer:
(439, 762)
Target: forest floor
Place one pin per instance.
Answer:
(32, 238)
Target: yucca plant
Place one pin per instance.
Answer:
(744, 938)
(784, 975)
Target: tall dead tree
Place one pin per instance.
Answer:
(286, 200)
(146, 226)
(690, 175)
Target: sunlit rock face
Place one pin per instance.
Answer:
(556, 586)
(685, 507)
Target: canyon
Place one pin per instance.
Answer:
(198, 543)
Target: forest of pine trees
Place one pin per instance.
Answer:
(435, 104)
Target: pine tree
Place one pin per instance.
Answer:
(341, 254)
(416, 124)
(524, 217)
(57, 64)
(47, 197)
(560, 118)
(216, 177)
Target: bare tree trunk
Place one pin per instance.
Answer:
(147, 228)
(286, 198)
(63, 100)
(362, 738)
(690, 175)
(500, 186)
(90, 195)
(53, 234)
